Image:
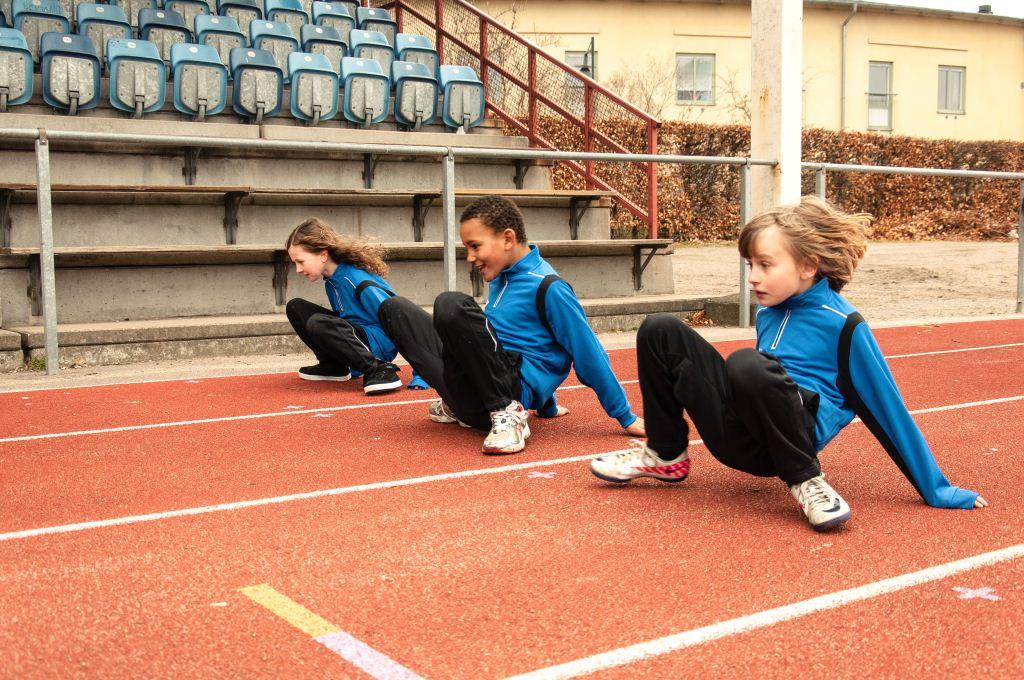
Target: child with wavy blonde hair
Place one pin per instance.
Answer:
(769, 411)
(348, 337)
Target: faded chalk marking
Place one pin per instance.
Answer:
(541, 475)
(292, 408)
(672, 643)
(356, 652)
(977, 593)
(323, 415)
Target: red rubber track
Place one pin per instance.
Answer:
(500, 574)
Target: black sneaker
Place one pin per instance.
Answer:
(322, 372)
(381, 378)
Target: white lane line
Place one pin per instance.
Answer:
(366, 658)
(326, 409)
(955, 351)
(770, 617)
(256, 502)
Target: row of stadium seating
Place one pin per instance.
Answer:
(71, 70)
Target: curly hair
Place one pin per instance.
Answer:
(817, 232)
(498, 214)
(316, 236)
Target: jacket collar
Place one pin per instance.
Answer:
(815, 296)
(526, 263)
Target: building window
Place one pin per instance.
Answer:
(695, 79)
(584, 62)
(951, 89)
(880, 95)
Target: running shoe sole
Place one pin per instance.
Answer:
(382, 387)
(832, 523)
(333, 378)
(616, 480)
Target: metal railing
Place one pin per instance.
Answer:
(552, 104)
(447, 155)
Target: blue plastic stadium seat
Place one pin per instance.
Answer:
(70, 8)
(417, 49)
(372, 45)
(275, 37)
(101, 23)
(220, 33)
(258, 84)
(35, 17)
(379, 20)
(314, 87)
(290, 12)
(188, 9)
(200, 80)
(71, 72)
(367, 91)
(242, 11)
(131, 9)
(137, 76)
(415, 94)
(463, 97)
(326, 41)
(336, 15)
(163, 28)
(15, 69)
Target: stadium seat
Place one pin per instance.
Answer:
(379, 20)
(258, 84)
(137, 76)
(200, 80)
(70, 8)
(463, 97)
(314, 87)
(163, 28)
(336, 15)
(417, 49)
(372, 45)
(289, 12)
(220, 33)
(367, 91)
(15, 69)
(71, 72)
(326, 41)
(100, 23)
(131, 9)
(35, 17)
(415, 94)
(188, 9)
(275, 37)
(242, 11)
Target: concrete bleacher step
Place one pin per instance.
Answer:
(147, 282)
(98, 215)
(91, 344)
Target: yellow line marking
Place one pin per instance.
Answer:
(289, 610)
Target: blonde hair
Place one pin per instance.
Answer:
(316, 236)
(817, 232)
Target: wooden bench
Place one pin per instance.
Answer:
(232, 197)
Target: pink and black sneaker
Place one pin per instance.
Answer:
(640, 461)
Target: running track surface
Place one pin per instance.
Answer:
(476, 567)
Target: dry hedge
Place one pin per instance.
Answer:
(701, 203)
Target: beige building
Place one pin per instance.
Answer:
(912, 71)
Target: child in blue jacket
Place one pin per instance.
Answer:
(769, 411)
(489, 366)
(347, 337)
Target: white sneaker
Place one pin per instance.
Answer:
(640, 461)
(509, 430)
(439, 412)
(824, 508)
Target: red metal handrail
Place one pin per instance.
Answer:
(491, 66)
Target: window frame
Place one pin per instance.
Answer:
(962, 70)
(583, 54)
(712, 92)
(889, 94)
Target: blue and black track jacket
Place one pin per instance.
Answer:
(822, 342)
(513, 313)
(355, 294)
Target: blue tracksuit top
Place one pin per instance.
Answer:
(341, 292)
(512, 312)
(803, 333)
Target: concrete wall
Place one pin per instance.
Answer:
(916, 42)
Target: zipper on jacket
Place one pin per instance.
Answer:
(498, 299)
(782, 327)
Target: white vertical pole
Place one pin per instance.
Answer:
(776, 101)
(448, 210)
(46, 268)
(744, 318)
